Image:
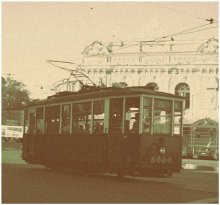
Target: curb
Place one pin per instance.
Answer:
(11, 149)
(199, 167)
(206, 201)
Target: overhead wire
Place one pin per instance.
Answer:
(200, 30)
(184, 32)
(175, 34)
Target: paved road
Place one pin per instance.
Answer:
(22, 183)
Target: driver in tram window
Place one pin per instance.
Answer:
(98, 127)
(81, 128)
(135, 127)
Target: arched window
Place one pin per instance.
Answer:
(183, 89)
(211, 71)
(152, 86)
(162, 71)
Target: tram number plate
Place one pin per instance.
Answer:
(161, 160)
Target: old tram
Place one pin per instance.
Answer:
(128, 131)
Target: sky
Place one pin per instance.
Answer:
(34, 32)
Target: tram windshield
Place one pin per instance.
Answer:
(162, 116)
(177, 117)
(147, 110)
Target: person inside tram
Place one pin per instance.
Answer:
(81, 128)
(98, 127)
(135, 127)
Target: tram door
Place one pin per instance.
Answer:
(115, 130)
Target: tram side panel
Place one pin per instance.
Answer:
(33, 148)
(94, 151)
(71, 150)
(76, 150)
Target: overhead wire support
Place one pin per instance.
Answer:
(126, 47)
(211, 20)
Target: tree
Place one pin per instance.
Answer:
(14, 94)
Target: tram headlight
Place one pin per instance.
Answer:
(162, 150)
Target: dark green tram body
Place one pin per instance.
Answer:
(151, 149)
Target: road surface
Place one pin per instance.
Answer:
(23, 183)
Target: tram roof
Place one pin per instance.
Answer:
(103, 93)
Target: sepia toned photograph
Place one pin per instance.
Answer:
(110, 102)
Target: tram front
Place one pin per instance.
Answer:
(160, 131)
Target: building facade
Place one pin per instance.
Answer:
(193, 74)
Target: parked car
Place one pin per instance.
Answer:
(205, 153)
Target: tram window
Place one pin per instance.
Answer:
(52, 119)
(132, 114)
(147, 115)
(177, 117)
(65, 128)
(98, 116)
(31, 128)
(115, 115)
(162, 116)
(82, 117)
(40, 120)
